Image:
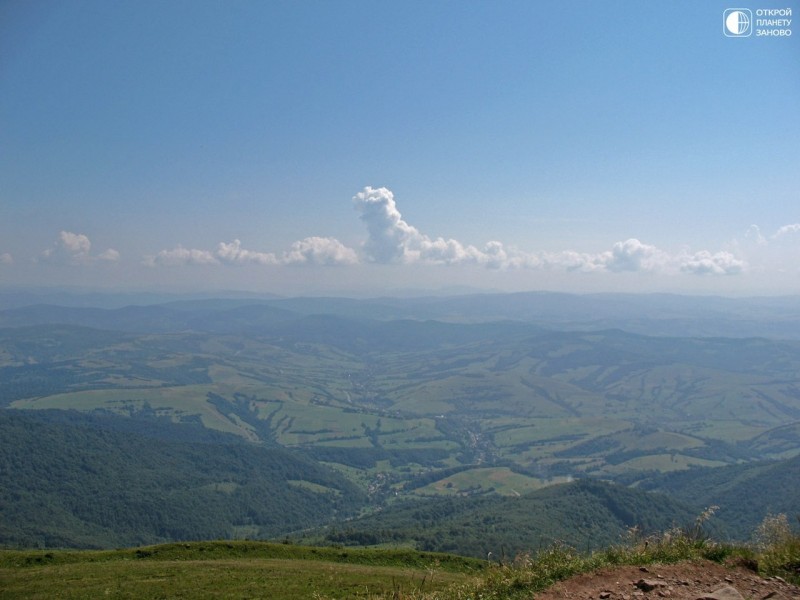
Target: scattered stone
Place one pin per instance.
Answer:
(684, 581)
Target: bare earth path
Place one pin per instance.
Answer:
(685, 581)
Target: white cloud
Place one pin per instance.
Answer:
(6, 259)
(571, 260)
(180, 256)
(319, 251)
(706, 263)
(233, 253)
(753, 233)
(308, 251)
(75, 249)
(75, 243)
(109, 255)
(787, 230)
(390, 238)
(633, 255)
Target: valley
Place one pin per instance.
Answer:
(406, 408)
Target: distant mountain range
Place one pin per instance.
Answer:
(648, 314)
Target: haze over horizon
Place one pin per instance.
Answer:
(363, 148)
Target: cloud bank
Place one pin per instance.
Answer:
(392, 240)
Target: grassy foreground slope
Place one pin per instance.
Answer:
(247, 569)
(227, 570)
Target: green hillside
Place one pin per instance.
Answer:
(74, 484)
(584, 514)
(745, 494)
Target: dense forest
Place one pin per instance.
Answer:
(78, 481)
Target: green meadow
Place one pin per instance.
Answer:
(227, 570)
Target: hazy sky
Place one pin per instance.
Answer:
(369, 146)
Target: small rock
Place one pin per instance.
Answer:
(723, 593)
(648, 585)
(605, 595)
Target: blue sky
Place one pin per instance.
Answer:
(368, 147)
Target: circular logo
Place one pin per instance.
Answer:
(737, 22)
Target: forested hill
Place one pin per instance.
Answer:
(585, 514)
(745, 493)
(69, 482)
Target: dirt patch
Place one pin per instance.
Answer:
(685, 581)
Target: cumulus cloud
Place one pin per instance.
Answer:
(75, 249)
(319, 251)
(233, 253)
(633, 255)
(75, 243)
(390, 239)
(706, 263)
